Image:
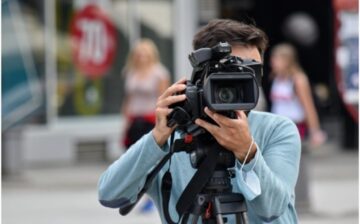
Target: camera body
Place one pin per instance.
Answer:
(222, 82)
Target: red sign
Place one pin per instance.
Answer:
(93, 40)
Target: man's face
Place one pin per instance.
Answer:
(246, 52)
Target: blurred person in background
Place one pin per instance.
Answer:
(291, 93)
(145, 80)
(291, 97)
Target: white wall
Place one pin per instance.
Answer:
(58, 143)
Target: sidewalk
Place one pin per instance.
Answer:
(334, 186)
(68, 195)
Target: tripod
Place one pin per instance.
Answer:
(216, 197)
(217, 200)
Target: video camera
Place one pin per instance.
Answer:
(222, 82)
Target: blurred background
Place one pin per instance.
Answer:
(62, 89)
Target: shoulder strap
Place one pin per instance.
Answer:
(124, 210)
(166, 185)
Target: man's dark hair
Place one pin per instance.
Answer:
(231, 31)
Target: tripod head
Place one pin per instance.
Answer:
(200, 150)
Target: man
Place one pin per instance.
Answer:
(267, 176)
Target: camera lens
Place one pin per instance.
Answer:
(227, 94)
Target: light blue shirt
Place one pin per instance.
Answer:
(267, 181)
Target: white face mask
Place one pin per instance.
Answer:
(249, 184)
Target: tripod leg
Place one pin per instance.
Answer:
(219, 219)
(238, 218)
(195, 219)
(241, 218)
(245, 217)
(185, 218)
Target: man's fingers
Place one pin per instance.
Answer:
(177, 87)
(213, 129)
(219, 119)
(241, 114)
(182, 80)
(163, 111)
(171, 100)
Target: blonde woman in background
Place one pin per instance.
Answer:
(145, 80)
(291, 97)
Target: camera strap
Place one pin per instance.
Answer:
(149, 179)
(124, 210)
(166, 185)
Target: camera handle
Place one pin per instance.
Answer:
(182, 118)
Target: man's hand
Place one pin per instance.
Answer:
(161, 131)
(232, 134)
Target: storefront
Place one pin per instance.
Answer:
(79, 48)
(80, 59)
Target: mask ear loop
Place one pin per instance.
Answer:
(248, 152)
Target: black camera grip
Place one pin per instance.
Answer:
(178, 116)
(170, 119)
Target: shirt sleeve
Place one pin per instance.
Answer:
(124, 179)
(268, 181)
